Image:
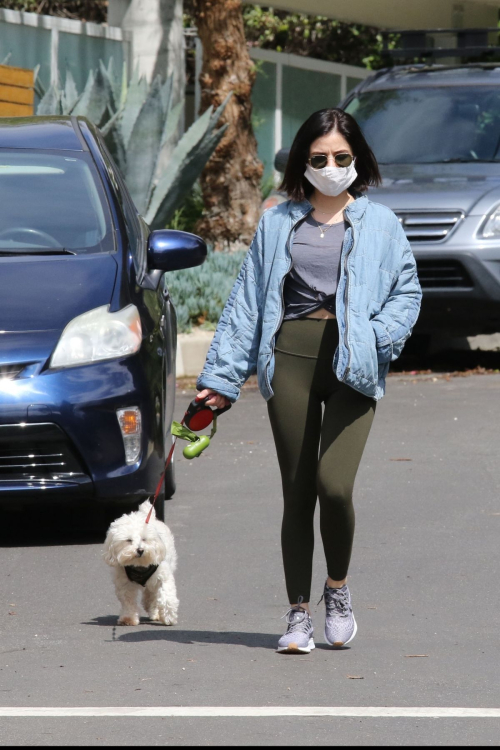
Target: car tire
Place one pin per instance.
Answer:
(170, 485)
(160, 506)
(418, 345)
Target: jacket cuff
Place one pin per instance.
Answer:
(384, 342)
(224, 387)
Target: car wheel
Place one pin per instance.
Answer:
(160, 506)
(170, 481)
(418, 345)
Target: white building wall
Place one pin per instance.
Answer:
(157, 37)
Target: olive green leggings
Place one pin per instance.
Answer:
(318, 453)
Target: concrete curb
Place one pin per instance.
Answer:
(192, 350)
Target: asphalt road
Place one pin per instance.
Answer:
(424, 580)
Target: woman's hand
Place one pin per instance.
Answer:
(215, 398)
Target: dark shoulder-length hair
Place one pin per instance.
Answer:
(318, 124)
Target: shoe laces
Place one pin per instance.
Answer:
(336, 601)
(297, 618)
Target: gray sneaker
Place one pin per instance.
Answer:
(299, 633)
(340, 625)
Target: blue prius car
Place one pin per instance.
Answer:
(87, 329)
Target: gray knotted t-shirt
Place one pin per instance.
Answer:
(313, 278)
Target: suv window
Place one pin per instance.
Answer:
(430, 125)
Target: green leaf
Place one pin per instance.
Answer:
(143, 147)
(51, 102)
(114, 142)
(124, 86)
(111, 123)
(172, 123)
(166, 94)
(116, 83)
(214, 119)
(135, 97)
(112, 102)
(69, 96)
(187, 143)
(40, 89)
(170, 130)
(96, 98)
(184, 170)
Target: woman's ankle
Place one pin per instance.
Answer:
(333, 584)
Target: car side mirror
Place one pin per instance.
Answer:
(281, 159)
(171, 250)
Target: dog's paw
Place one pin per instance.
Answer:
(154, 616)
(128, 620)
(169, 620)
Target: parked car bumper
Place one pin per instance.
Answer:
(64, 423)
(461, 289)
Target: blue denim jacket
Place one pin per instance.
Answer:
(377, 304)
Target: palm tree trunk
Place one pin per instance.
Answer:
(231, 179)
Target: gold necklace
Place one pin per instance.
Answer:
(323, 229)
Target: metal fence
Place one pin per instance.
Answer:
(59, 44)
(288, 89)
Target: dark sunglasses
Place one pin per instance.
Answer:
(319, 161)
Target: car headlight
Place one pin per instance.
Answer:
(491, 227)
(97, 335)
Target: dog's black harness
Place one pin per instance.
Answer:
(140, 574)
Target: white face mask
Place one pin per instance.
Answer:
(331, 180)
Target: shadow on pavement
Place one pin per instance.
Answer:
(106, 621)
(174, 635)
(231, 638)
(448, 361)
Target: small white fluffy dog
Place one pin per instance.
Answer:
(143, 555)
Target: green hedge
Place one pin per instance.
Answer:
(199, 294)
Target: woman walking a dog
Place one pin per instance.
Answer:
(326, 298)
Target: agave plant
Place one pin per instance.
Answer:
(140, 125)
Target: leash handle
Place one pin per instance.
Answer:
(217, 412)
(194, 407)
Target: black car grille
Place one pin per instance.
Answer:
(442, 274)
(34, 452)
(429, 226)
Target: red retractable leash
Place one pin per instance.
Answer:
(197, 417)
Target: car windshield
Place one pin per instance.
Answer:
(51, 201)
(430, 125)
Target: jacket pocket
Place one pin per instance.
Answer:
(383, 342)
(364, 361)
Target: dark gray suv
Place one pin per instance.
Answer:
(435, 131)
